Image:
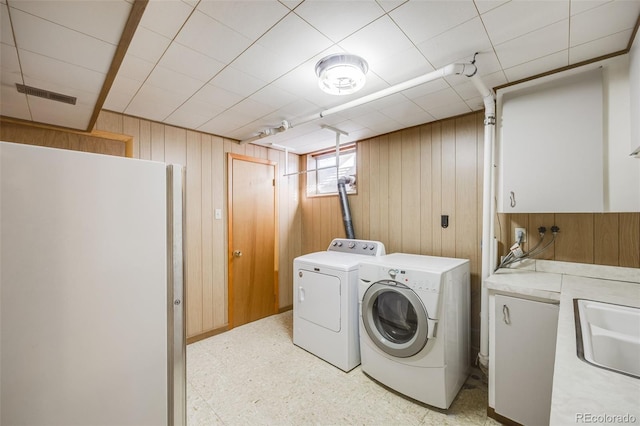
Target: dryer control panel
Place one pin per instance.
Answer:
(364, 247)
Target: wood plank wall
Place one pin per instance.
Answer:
(204, 156)
(408, 179)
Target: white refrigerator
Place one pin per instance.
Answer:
(91, 289)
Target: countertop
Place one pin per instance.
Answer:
(582, 393)
(580, 390)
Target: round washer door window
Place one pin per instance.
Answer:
(395, 318)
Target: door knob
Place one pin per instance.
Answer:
(237, 253)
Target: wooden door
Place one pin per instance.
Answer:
(253, 286)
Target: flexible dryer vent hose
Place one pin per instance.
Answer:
(344, 204)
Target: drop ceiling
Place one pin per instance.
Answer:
(235, 68)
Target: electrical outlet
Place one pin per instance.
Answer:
(524, 234)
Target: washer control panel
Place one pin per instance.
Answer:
(364, 247)
(416, 280)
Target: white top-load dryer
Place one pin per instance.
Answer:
(325, 300)
(414, 324)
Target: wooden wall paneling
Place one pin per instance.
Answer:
(326, 228)
(383, 192)
(427, 215)
(448, 193)
(476, 285)
(466, 192)
(110, 122)
(364, 190)
(193, 224)
(144, 142)
(575, 240)
(436, 187)
(207, 221)
(410, 190)
(535, 221)
(175, 146)
(629, 238)
(306, 206)
(131, 127)
(606, 228)
(395, 193)
(294, 242)
(283, 272)
(157, 141)
(219, 270)
(374, 188)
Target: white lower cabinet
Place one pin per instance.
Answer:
(524, 341)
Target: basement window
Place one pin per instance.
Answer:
(322, 178)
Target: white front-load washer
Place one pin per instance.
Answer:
(325, 300)
(414, 325)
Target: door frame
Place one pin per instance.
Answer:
(230, 157)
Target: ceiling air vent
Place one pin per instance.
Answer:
(41, 93)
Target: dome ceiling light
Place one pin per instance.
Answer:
(341, 74)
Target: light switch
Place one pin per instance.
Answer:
(218, 213)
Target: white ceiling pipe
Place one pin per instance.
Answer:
(488, 212)
(467, 69)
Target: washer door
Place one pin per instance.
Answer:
(395, 318)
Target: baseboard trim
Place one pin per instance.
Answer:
(207, 334)
(285, 309)
(491, 412)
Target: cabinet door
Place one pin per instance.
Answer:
(550, 138)
(524, 357)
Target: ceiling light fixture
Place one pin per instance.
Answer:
(341, 74)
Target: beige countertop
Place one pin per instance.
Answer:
(582, 393)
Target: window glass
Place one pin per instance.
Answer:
(322, 178)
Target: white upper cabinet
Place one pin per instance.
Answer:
(563, 140)
(550, 145)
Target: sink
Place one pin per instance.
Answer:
(608, 335)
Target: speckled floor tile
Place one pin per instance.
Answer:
(255, 375)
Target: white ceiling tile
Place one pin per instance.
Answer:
(426, 88)
(122, 91)
(174, 82)
(449, 110)
(224, 123)
(402, 66)
(57, 76)
(293, 51)
(486, 5)
(406, 113)
(165, 17)
(603, 21)
(468, 91)
(187, 117)
(190, 63)
(377, 41)
(61, 114)
(102, 19)
(236, 81)
(421, 20)
(192, 3)
(251, 109)
(252, 18)
(201, 33)
(9, 59)
(215, 99)
(443, 100)
(274, 96)
(154, 103)
(291, 4)
(534, 45)
(46, 38)
(579, 6)
(337, 19)
(599, 47)
(516, 18)
(13, 104)
(148, 45)
(537, 66)
(6, 35)
(375, 121)
(459, 42)
(297, 109)
(389, 5)
(135, 68)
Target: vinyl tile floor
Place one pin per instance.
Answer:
(255, 375)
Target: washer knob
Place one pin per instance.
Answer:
(372, 246)
(365, 246)
(339, 243)
(393, 272)
(352, 245)
(335, 243)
